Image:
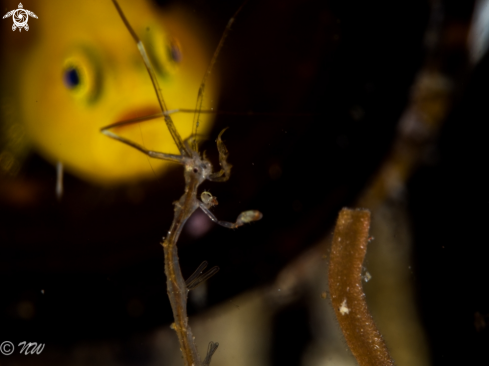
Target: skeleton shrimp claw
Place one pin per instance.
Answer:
(225, 172)
(244, 217)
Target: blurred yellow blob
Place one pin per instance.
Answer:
(77, 69)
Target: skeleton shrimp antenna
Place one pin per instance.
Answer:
(200, 95)
(142, 50)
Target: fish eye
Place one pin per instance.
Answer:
(165, 51)
(174, 51)
(80, 76)
(71, 77)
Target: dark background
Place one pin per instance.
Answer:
(336, 76)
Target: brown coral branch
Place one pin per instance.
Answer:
(345, 286)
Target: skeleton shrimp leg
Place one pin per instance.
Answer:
(142, 50)
(199, 276)
(210, 351)
(150, 153)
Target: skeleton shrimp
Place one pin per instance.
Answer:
(197, 169)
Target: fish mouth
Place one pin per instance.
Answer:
(136, 116)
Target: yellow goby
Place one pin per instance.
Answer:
(77, 69)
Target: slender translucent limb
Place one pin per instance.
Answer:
(153, 154)
(186, 110)
(200, 95)
(196, 273)
(203, 277)
(244, 217)
(158, 115)
(142, 50)
(211, 349)
(138, 119)
(199, 277)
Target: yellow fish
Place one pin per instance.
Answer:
(77, 69)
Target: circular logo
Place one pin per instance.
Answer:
(20, 18)
(7, 348)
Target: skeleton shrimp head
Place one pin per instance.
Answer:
(196, 166)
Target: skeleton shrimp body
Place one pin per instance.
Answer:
(197, 169)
